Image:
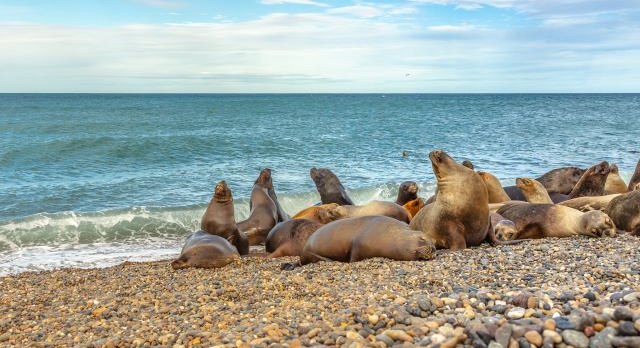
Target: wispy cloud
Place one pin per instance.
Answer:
(295, 2)
(161, 3)
(358, 11)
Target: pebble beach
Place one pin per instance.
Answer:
(573, 292)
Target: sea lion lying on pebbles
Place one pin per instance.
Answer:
(315, 213)
(264, 212)
(380, 208)
(219, 219)
(625, 212)
(414, 206)
(502, 228)
(329, 187)
(288, 238)
(494, 188)
(592, 181)
(550, 220)
(589, 203)
(559, 180)
(533, 191)
(204, 250)
(407, 191)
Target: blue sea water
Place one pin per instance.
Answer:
(94, 179)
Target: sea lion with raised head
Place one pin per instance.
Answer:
(407, 191)
(556, 181)
(494, 188)
(459, 217)
(288, 238)
(535, 221)
(268, 183)
(533, 191)
(635, 178)
(614, 183)
(329, 187)
(625, 211)
(315, 213)
(219, 219)
(414, 206)
(589, 203)
(381, 208)
(592, 181)
(263, 213)
(204, 250)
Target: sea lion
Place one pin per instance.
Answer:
(550, 220)
(635, 178)
(219, 219)
(502, 228)
(405, 154)
(494, 188)
(459, 217)
(407, 191)
(468, 164)
(559, 180)
(263, 210)
(414, 206)
(314, 213)
(625, 211)
(329, 187)
(380, 208)
(614, 183)
(364, 237)
(589, 203)
(268, 183)
(204, 250)
(288, 238)
(592, 181)
(533, 191)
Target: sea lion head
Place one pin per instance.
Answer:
(505, 230)
(330, 214)
(598, 224)
(264, 178)
(468, 164)
(201, 257)
(409, 187)
(426, 250)
(443, 164)
(613, 169)
(222, 192)
(526, 184)
(602, 168)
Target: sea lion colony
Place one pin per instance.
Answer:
(468, 208)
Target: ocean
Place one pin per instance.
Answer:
(92, 180)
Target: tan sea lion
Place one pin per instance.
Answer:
(533, 191)
(360, 238)
(592, 181)
(219, 219)
(407, 191)
(459, 217)
(635, 178)
(288, 238)
(625, 212)
(556, 181)
(315, 212)
(614, 183)
(551, 220)
(589, 203)
(263, 210)
(502, 228)
(414, 206)
(494, 188)
(204, 250)
(381, 208)
(329, 187)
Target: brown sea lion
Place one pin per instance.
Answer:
(533, 191)
(625, 212)
(360, 238)
(494, 188)
(219, 219)
(559, 180)
(288, 238)
(268, 183)
(502, 228)
(589, 203)
(329, 187)
(459, 217)
(407, 191)
(381, 208)
(414, 206)
(614, 183)
(592, 181)
(204, 250)
(315, 212)
(550, 220)
(263, 210)
(635, 178)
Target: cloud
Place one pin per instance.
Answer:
(161, 3)
(452, 28)
(296, 2)
(358, 11)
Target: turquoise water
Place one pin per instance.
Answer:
(93, 179)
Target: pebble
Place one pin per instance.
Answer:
(516, 313)
(626, 329)
(534, 338)
(575, 338)
(554, 336)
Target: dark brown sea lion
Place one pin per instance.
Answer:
(592, 181)
(559, 180)
(625, 212)
(219, 219)
(589, 203)
(614, 183)
(315, 213)
(263, 210)
(360, 238)
(268, 183)
(204, 250)
(494, 188)
(533, 191)
(329, 187)
(407, 191)
(635, 178)
(380, 208)
(550, 220)
(459, 217)
(414, 206)
(288, 238)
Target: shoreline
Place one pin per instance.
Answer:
(476, 296)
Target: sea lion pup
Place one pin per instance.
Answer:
(204, 250)
(533, 191)
(502, 229)
(329, 187)
(550, 220)
(459, 216)
(614, 183)
(364, 237)
(288, 238)
(559, 180)
(625, 212)
(263, 211)
(589, 203)
(407, 191)
(468, 164)
(314, 213)
(380, 208)
(494, 188)
(592, 181)
(219, 219)
(414, 206)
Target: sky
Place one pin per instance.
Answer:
(320, 46)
